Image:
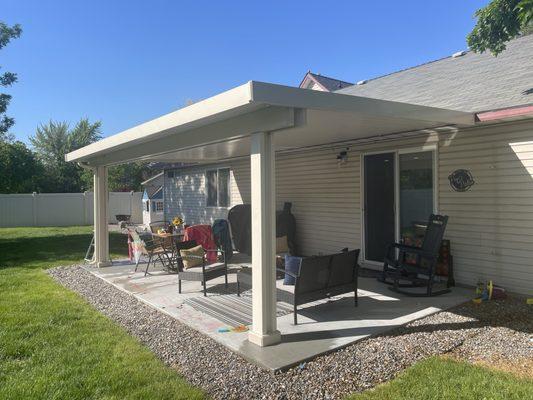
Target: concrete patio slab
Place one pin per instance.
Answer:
(323, 326)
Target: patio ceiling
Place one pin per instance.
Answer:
(220, 127)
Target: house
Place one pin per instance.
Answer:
(153, 208)
(363, 166)
(322, 83)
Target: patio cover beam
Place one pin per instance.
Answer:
(261, 107)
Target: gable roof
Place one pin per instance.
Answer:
(326, 83)
(153, 192)
(468, 82)
(153, 178)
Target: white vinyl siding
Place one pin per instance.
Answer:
(490, 226)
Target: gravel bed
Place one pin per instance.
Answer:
(225, 375)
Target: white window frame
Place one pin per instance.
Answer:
(218, 191)
(159, 207)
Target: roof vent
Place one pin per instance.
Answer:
(361, 82)
(459, 54)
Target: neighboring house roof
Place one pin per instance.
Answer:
(467, 82)
(153, 192)
(325, 83)
(153, 178)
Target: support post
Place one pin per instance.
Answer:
(262, 159)
(101, 231)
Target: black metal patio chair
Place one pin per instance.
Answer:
(416, 265)
(152, 249)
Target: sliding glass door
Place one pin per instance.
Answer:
(399, 196)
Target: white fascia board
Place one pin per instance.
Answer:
(194, 115)
(286, 96)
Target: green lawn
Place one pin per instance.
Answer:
(442, 378)
(53, 345)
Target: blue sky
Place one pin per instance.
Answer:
(125, 62)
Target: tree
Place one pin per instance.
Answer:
(121, 178)
(7, 34)
(20, 170)
(499, 22)
(52, 141)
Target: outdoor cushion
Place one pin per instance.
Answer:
(208, 267)
(281, 245)
(292, 264)
(189, 262)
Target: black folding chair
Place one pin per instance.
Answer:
(416, 265)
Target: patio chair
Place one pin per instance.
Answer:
(156, 225)
(204, 272)
(321, 277)
(412, 261)
(147, 246)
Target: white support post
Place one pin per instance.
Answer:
(101, 231)
(263, 332)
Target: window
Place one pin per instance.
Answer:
(170, 174)
(159, 206)
(147, 205)
(217, 184)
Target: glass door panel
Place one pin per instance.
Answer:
(416, 194)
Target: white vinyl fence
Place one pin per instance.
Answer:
(64, 209)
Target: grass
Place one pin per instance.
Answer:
(53, 345)
(443, 378)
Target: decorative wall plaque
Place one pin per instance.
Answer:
(461, 180)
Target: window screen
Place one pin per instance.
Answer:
(217, 182)
(211, 177)
(223, 187)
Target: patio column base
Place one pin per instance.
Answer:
(264, 340)
(103, 264)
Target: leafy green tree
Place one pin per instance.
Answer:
(52, 141)
(122, 178)
(7, 34)
(499, 22)
(20, 170)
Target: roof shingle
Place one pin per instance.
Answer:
(471, 82)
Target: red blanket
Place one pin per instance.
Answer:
(202, 234)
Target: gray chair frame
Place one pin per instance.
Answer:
(203, 274)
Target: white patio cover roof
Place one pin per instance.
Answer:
(220, 127)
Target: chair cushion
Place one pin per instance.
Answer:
(281, 245)
(292, 264)
(188, 262)
(209, 267)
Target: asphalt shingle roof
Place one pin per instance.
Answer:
(472, 82)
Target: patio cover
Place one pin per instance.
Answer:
(254, 119)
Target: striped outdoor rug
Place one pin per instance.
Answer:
(230, 308)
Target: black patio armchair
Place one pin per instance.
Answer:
(203, 272)
(416, 265)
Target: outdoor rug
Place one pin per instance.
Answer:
(231, 309)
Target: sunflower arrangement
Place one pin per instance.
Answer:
(177, 221)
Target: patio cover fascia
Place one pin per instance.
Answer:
(253, 119)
